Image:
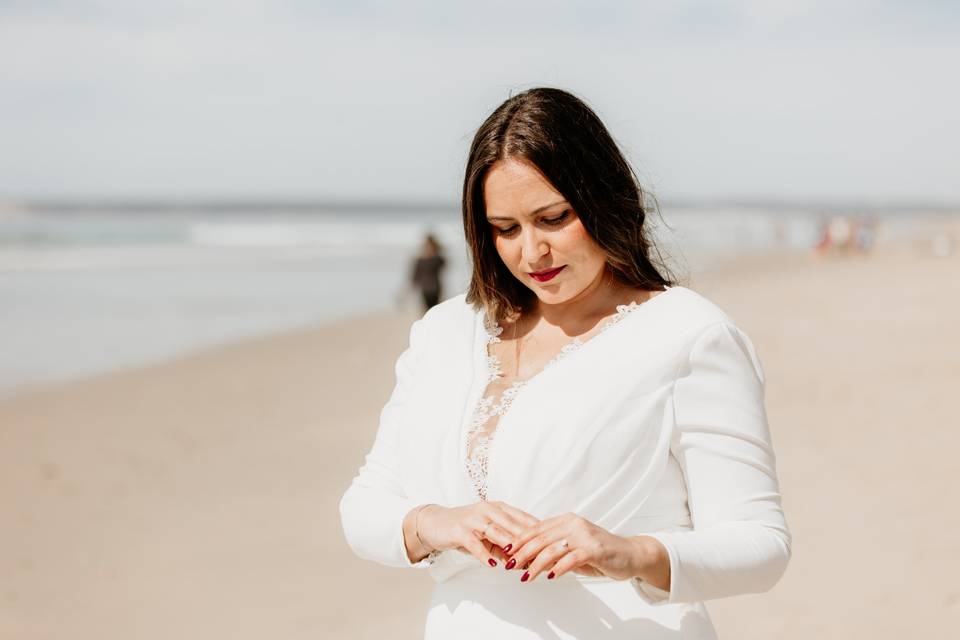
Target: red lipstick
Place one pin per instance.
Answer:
(543, 276)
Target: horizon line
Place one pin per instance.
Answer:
(213, 204)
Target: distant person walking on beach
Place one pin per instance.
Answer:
(426, 271)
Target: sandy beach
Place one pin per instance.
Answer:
(198, 497)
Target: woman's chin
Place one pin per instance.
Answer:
(550, 295)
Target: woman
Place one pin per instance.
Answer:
(576, 447)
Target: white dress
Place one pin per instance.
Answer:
(653, 425)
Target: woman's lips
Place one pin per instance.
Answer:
(543, 276)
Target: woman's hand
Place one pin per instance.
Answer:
(591, 550)
(483, 529)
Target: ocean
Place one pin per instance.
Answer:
(89, 290)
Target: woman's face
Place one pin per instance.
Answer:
(535, 231)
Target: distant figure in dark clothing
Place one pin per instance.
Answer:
(426, 271)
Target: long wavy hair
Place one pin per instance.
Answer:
(566, 141)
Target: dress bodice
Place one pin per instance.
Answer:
(656, 428)
(500, 392)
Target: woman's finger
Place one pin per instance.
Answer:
(547, 557)
(497, 535)
(576, 560)
(530, 544)
(530, 533)
(501, 526)
(476, 547)
(496, 551)
(523, 518)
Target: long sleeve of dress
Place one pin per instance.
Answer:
(374, 505)
(740, 542)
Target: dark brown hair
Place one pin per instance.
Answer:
(566, 141)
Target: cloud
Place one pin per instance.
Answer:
(801, 100)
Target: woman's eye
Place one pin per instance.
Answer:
(558, 219)
(553, 222)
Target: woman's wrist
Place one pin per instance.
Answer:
(416, 528)
(651, 561)
(417, 548)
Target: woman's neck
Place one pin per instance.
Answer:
(587, 307)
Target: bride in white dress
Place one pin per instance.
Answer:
(576, 447)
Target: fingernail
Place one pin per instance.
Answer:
(511, 563)
(492, 562)
(507, 548)
(550, 575)
(525, 576)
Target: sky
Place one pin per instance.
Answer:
(805, 101)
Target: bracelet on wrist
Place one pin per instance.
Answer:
(416, 530)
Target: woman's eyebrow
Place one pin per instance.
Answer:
(532, 213)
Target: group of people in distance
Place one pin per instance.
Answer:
(846, 234)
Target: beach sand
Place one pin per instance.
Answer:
(198, 498)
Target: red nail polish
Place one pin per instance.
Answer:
(507, 548)
(550, 575)
(492, 562)
(511, 563)
(525, 576)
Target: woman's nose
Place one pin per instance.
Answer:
(534, 247)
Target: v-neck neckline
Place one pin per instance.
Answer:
(494, 330)
(491, 331)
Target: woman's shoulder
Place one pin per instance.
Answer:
(708, 335)
(686, 313)
(681, 318)
(450, 314)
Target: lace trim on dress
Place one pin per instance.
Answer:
(488, 406)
